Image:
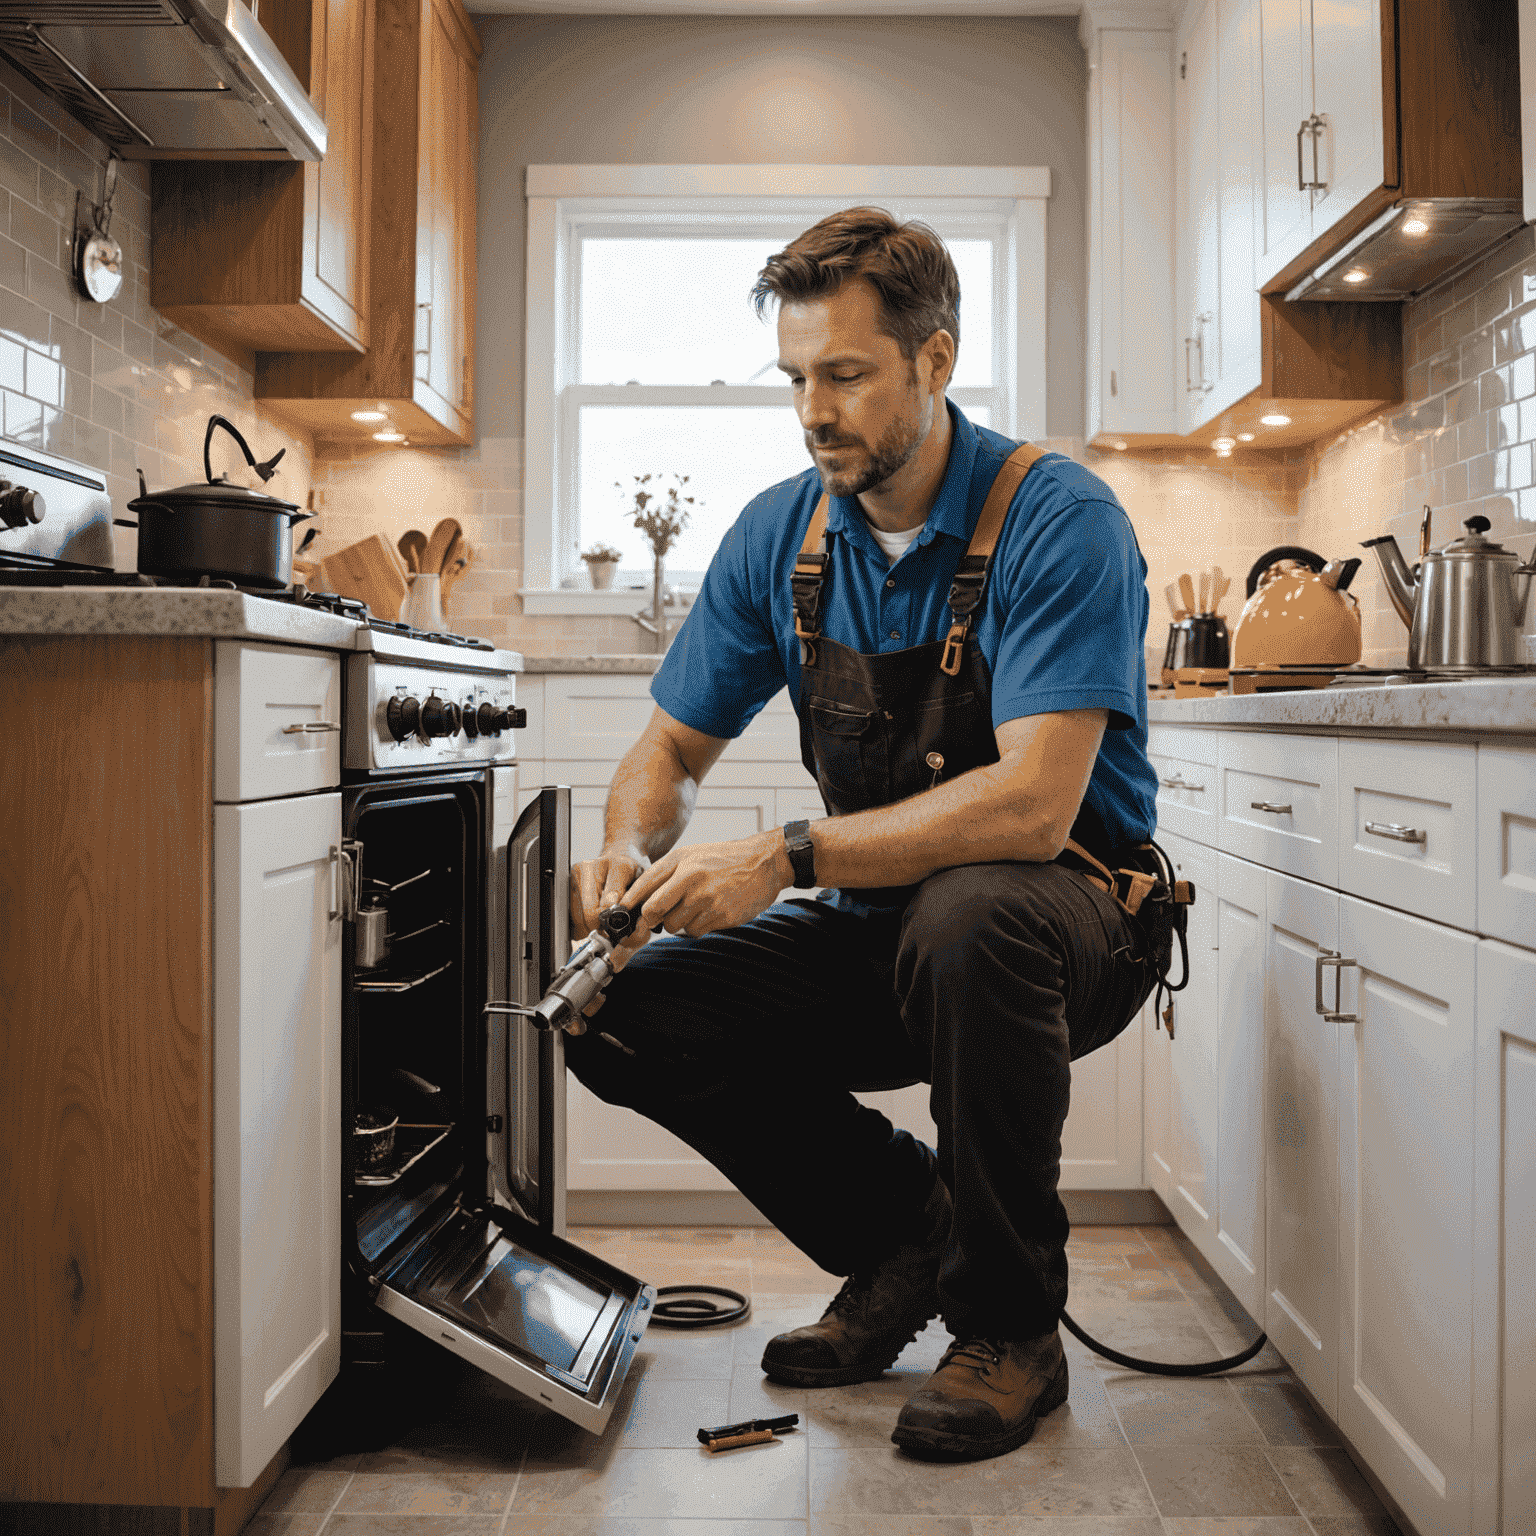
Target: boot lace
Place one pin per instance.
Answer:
(852, 1297)
(979, 1354)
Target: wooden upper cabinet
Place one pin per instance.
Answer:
(419, 367)
(260, 256)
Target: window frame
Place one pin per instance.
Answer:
(567, 202)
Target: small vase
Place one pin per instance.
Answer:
(600, 573)
(424, 607)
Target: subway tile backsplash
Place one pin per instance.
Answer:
(119, 387)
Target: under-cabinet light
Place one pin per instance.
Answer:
(1245, 437)
(370, 415)
(1356, 275)
(389, 435)
(1275, 419)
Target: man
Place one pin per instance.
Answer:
(959, 737)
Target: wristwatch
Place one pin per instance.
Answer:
(802, 853)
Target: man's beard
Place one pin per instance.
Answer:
(893, 450)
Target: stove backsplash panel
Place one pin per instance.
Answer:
(116, 386)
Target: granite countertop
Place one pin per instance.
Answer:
(643, 663)
(1485, 704)
(186, 611)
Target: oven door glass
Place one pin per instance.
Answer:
(529, 1308)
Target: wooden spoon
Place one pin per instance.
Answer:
(1187, 591)
(413, 545)
(437, 546)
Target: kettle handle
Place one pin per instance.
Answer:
(1306, 557)
(266, 471)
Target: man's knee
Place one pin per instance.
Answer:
(976, 913)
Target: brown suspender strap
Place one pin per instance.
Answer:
(806, 582)
(971, 574)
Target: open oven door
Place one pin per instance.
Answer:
(501, 1287)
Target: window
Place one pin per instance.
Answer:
(645, 355)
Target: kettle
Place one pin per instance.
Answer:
(1299, 612)
(1464, 605)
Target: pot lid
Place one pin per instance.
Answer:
(220, 492)
(1473, 546)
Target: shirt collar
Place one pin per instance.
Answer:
(951, 512)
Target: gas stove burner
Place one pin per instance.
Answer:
(431, 636)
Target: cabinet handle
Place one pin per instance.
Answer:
(310, 728)
(1334, 960)
(1201, 321)
(1178, 781)
(1398, 834)
(1313, 125)
(1270, 806)
(424, 370)
(1189, 341)
(1114, 386)
(341, 883)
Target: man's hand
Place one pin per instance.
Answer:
(600, 883)
(712, 885)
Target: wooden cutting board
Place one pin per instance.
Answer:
(368, 570)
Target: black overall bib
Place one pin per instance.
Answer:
(985, 981)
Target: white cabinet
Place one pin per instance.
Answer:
(276, 1123)
(1405, 1208)
(1301, 1111)
(1131, 336)
(1277, 800)
(276, 721)
(1322, 134)
(1506, 843)
(1215, 95)
(1504, 1301)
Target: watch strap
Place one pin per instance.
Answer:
(802, 853)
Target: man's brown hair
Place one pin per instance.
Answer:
(906, 264)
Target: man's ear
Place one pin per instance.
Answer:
(939, 349)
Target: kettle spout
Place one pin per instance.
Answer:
(1400, 583)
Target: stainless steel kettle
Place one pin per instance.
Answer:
(1464, 605)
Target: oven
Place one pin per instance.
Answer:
(453, 1227)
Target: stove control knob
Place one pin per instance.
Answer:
(470, 720)
(20, 507)
(494, 719)
(403, 715)
(439, 718)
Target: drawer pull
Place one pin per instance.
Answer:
(310, 728)
(1271, 806)
(1398, 834)
(1333, 959)
(1178, 781)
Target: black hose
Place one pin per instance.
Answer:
(1161, 1367)
(690, 1306)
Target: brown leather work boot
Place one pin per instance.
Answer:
(984, 1398)
(873, 1317)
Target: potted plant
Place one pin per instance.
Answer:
(661, 524)
(602, 561)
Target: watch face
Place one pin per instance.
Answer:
(101, 268)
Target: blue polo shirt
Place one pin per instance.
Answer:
(1062, 625)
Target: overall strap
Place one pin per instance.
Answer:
(971, 574)
(809, 576)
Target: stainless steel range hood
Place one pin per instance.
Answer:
(166, 79)
(1412, 246)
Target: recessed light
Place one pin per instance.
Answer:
(1223, 445)
(1120, 445)
(1245, 437)
(389, 435)
(1356, 275)
(1275, 419)
(1416, 226)
(370, 415)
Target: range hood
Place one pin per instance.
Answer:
(166, 79)
(1413, 245)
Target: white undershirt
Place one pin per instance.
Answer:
(895, 545)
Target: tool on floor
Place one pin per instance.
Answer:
(725, 1437)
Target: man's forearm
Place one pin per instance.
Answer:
(650, 800)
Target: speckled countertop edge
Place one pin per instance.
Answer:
(643, 665)
(1484, 704)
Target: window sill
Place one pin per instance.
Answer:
(543, 601)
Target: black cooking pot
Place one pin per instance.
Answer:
(218, 530)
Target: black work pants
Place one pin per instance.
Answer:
(747, 1044)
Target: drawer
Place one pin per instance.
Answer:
(1185, 763)
(276, 721)
(1506, 843)
(1407, 818)
(1278, 802)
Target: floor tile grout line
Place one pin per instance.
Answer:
(341, 1493)
(506, 1514)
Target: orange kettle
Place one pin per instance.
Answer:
(1299, 612)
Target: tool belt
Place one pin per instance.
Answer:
(1158, 902)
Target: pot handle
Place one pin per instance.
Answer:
(266, 471)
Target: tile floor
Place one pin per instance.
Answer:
(1129, 1455)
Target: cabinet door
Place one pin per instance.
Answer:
(445, 216)
(276, 1123)
(1240, 915)
(1301, 1153)
(1198, 131)
(1346, 92)
(1157, 1105)
(1238, 361)
(1285, 83)
(1504, 1303)
(1406, 1186)
(1194, 1133)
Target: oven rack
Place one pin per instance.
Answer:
(406, 984)
(406, 1140)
